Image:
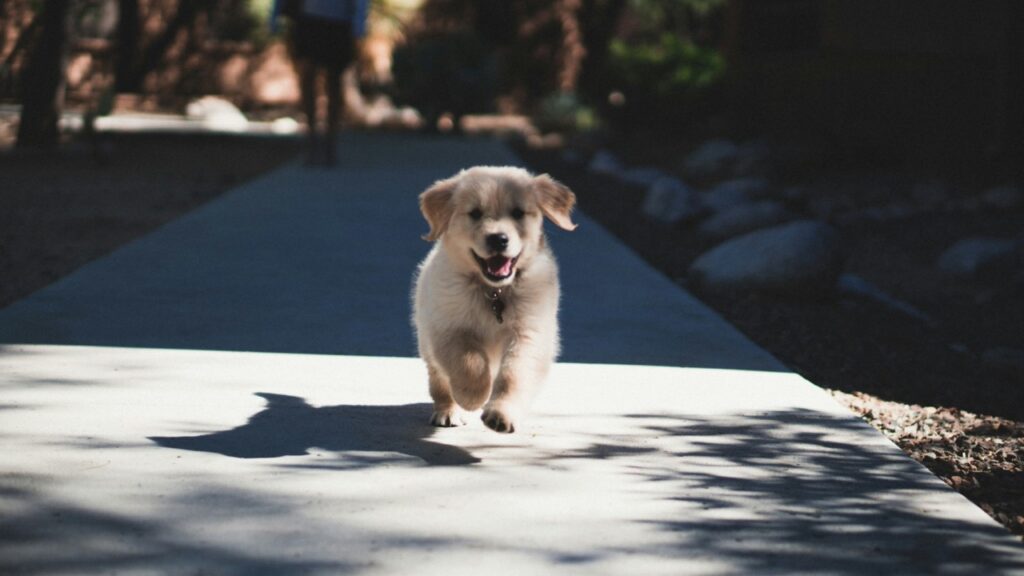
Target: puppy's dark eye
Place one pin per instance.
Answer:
(518, 213)
(476, 214)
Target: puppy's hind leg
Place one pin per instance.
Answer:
(446, 412)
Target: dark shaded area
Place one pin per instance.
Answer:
(87, 540)
(846, 343)
(288, 426)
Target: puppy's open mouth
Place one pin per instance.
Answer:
(497, 268)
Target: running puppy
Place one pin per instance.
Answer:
(485, 300)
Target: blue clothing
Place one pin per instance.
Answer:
(354, 12)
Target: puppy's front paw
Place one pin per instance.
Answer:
(498, 420)
(447, 418)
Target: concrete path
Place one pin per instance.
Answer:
(235, 394)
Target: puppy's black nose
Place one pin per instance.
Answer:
(497, 242)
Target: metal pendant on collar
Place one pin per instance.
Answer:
(497, 304)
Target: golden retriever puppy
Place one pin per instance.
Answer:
(485, 300)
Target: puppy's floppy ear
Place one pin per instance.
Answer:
(437, 207)
(556, 201)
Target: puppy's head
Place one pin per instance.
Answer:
(490, 219)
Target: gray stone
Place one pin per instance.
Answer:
(794, 194)
(217, 114)
(930, 193)
(1004, 362)
(605, 163)
(671, 200)
(796, 258)
(643, 176)
(754, 158)
(744, 218)
(854, 285)
(570, 156)
(711, 159)
(1003, 198)
(977, 257)
(823, 208)
(877, 214)
(732, 193)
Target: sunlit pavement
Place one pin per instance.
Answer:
(236, 394)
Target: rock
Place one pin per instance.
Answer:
(570, 156)
(930, 193)
(732, 193)
(1003, 198)
(877, 214)
(605, 163)
(285, 126)
(671, 200)
(794, 194)
(744, 218)
(802, 257)
(978, 257)
(643, 176)
(217, 114)
(856, 286)
(713, 158)
(754, 157)
(1004, 362)
(823, 208)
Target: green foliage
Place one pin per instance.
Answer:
(666, 79)
(246, 21)
(658, 14)
(563, 112)
(670, 68)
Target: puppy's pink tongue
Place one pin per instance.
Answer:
(499, 266)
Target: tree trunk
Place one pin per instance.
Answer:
(599, 19)
(572, 50)
(135, 61)
(43, 79)
(125, 79)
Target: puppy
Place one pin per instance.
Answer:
(485, 299)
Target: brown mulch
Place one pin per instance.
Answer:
(924, 384)
(979, 456)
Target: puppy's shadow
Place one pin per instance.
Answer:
(289, 426)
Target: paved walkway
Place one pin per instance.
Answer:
(235, 393)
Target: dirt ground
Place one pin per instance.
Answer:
(925, 384)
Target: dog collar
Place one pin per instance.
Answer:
(497, 304)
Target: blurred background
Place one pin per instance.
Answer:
(921, 81)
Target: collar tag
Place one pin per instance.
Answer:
(497, 304)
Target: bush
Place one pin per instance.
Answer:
(563, 112)
(667, 79)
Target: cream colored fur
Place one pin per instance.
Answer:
(473, 360)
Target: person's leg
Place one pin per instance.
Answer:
(335, 105)
(307, 85)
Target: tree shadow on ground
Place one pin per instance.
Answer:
(40, 534)
(785, 491)
(795, 491)
(289, 426)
